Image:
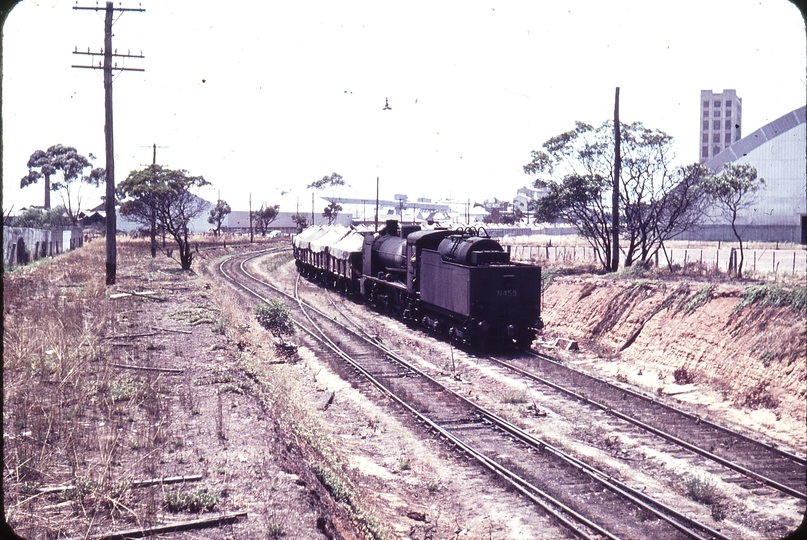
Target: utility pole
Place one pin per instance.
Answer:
(376, 204)
(106, 52)
(153, 218)
(154, 155)
(250, 218)
(615, 196)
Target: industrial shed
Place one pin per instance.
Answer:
(778, 150)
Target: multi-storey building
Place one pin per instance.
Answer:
(720, 122)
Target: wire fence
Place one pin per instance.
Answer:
(767, 260)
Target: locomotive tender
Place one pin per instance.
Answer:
(460, 283)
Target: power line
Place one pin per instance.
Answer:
(154, 156)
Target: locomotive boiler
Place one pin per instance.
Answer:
(459, 283)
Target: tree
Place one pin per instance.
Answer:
(217, 215)
(333, 180)
(301, 220)
(275, 317)
(36, 218)
(331, 211)
(265, 216)
(72, 166)
(162, 198)
(657, 201)
(734, 189)
(145, 188)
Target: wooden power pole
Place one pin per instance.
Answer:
(107, 53)
(615, 196)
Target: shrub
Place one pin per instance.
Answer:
(702, 489)
(191, 502)
(682, 376)
(276, 318)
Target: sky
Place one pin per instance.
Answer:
(262, 98)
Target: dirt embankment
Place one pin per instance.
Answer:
(689, 339)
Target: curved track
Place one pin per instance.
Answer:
(584, 499)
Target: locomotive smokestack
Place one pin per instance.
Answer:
(392, 227)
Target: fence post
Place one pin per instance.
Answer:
(717, 259)
(794, 263)
(773, 265)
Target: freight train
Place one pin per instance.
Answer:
(460, 283)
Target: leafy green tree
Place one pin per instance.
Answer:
(217, 215)
(734, 190)
(72, 166)
(163, 198)
(265, 216)
(657, 201)
(331, 211)
(275, 317)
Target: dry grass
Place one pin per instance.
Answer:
(58, 407)
(76, 425)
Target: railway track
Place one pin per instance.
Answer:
(586, 500)
(761, 463)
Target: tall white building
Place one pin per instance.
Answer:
(721, 125)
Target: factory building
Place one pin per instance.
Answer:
(778, 151)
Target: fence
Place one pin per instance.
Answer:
(22, 245)
(765, 260)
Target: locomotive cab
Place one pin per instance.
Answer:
(477, 293)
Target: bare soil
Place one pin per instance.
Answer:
(288, 441)
(747, 367)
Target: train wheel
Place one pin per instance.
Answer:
(523, 343)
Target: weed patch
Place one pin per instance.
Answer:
(700, 298)
(195, 316)
(760, 397)
(702, 489)
(773, 295)
(124, 387)
(196, 501)
(514, 397)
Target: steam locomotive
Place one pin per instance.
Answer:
(460, 283)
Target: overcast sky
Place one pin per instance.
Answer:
(265, 97)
